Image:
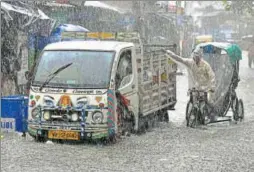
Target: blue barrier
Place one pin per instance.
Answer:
(14, 113)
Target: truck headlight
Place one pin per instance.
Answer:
(35, 113)
(46, 115)
(74, 117)
(97, 117)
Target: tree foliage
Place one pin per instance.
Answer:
(239, 7)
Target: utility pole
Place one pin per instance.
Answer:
(137, 7)
(141, 9)
(178, 7)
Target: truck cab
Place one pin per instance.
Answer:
(97, 69)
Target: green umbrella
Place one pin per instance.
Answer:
(233, 50)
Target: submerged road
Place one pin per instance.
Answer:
(171, 147)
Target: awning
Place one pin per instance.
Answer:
(99, 4)
(9, 7)
(54, 4)
(34, 18)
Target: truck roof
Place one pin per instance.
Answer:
(88, 45)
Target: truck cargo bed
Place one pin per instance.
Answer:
(157, 79)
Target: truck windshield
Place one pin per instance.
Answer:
(89, 69)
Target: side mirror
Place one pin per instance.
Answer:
(117, 92)
(117, 80)
(27, 75)
(129, 70)
(125, 81)
(118, 76)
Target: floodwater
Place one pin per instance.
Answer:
(170, 147)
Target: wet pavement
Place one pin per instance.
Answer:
(171, 147)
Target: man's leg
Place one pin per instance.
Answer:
(211, 107)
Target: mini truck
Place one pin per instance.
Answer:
(100, 86)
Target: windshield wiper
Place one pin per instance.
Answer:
(52, 75)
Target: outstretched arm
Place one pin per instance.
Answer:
(178, 59)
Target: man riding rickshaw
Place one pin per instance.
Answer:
(214, 71)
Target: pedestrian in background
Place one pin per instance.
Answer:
(251, 53)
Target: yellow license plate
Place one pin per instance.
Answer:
(63, 135)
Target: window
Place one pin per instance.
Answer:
(89, 69)
(124, 69)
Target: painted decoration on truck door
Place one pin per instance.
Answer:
(111, 112)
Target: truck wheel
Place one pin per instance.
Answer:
(161, 116)
(155, 123)
(149, 125)
(166, 118)
(142, 125)
(112, 139)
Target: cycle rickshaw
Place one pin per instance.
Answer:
(224, 59)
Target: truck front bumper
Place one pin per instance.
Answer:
(91, 131)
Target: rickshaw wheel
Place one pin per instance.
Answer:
(234, 106)
(240, 110)
(187, 113)
(204, 115)
(226, 104)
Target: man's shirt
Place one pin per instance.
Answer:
(201, 76)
